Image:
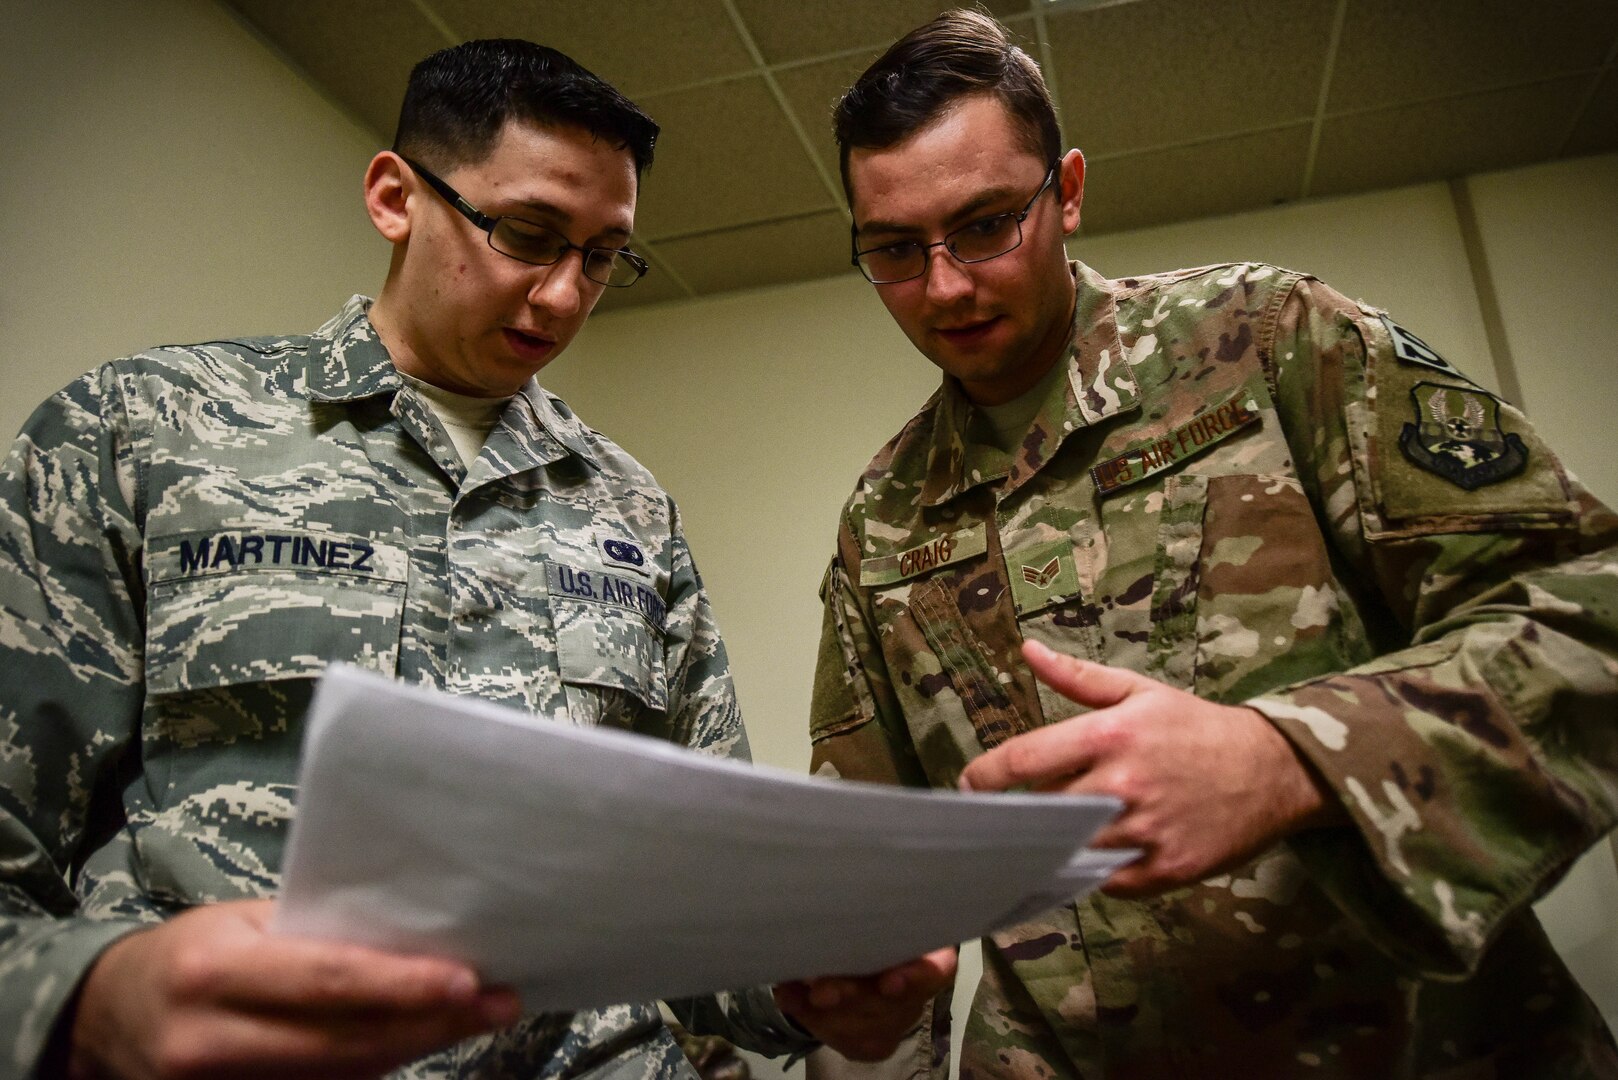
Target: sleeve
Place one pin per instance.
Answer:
(704, 716)
(1477, 756)
(856, 727)
(702, 712)
(70, 697)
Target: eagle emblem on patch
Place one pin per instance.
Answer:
(1457, 435)
(1042, 577)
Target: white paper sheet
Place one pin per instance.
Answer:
(587, 867)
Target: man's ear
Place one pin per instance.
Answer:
(1070, 174)
(387, 196)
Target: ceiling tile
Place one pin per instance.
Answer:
(813, 90)
(798, 250)
(1220, 177)
(1596, 131)
(1421, 90)
(727, 157)
(1398, 51)
(1161, 72)
(1440, 139)
(640, 46)
(360, 52)
(786, 32)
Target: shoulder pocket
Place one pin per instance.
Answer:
(1447, 456)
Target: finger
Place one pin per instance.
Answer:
(296, 974)
(924, 976)
(1057, 755)
(234, 1045)
(1094, 685)
(830, 993)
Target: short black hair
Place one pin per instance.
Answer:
(957, 54)
(460, 98)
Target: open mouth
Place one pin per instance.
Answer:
(968, 333)
(528, 345)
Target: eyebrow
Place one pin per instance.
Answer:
(551, 215)
(962, 215)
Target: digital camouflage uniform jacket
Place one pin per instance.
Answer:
(188, 536)
(1252, 488)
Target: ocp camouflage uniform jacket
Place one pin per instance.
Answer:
(188, 536)
(1217, 497)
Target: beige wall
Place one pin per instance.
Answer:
(169, 180)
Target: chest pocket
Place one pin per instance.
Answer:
(950, 647)
(238, 624)
(1245, 598)
(609, 638)
(226, 608)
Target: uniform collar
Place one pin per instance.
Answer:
(537, 429)
(1100, 384)
(348, 362)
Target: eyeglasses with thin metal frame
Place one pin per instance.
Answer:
(976, 241)
(530, 242)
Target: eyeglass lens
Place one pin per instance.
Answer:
(976, 242)
(536, 244)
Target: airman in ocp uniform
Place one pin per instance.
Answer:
(1328, 617)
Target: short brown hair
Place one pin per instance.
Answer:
(959, 53)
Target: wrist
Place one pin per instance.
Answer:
(1304, 799)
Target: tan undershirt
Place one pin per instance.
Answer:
(467, 420)
(1002, 427)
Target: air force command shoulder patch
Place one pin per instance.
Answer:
(1457, 435)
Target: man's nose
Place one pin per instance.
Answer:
(558, 287)
(947, 279)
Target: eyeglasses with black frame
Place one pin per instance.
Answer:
(976, 241)
(530, 242)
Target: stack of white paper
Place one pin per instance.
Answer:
(587, 867)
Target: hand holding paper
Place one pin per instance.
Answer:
(588, 867)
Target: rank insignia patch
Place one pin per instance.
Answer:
(1042, 578)
(1457, 435)
(1042, 575)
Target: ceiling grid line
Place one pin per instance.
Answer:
(1406, 94)
(779, 219)
(761, 67)
(1192, 144)
(1332, 44)
(1589, 97)
(648, 248)
(299, 69)
(833, 186)
(1462, 95)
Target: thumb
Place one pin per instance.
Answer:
(1093, 685)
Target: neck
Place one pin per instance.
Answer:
(1052, 345)
(388, 328)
